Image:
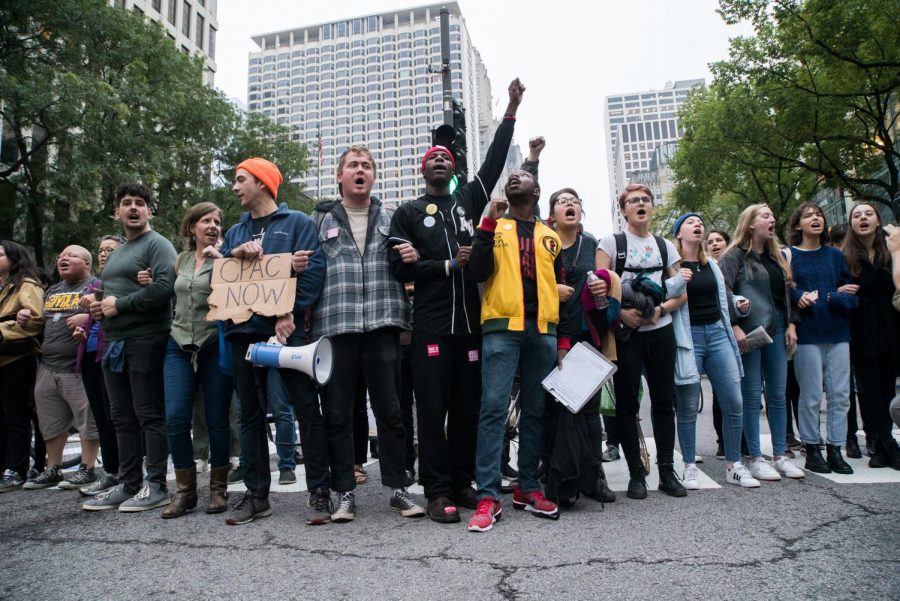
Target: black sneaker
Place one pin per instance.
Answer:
(105, 482)
(248, 509)
(410, 478)
(287, 476)
(49, 477)
(237, 475)
(84, 477)
(10, 481)
(319, 507)
(403, 503)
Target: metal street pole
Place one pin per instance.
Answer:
(447, 102)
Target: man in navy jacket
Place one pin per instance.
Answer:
(267, 228)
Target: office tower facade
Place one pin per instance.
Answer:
(190, 24)
(370, 80)
(636, 125)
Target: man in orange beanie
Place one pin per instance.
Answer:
(267, 228)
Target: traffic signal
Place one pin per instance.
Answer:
(459, 142)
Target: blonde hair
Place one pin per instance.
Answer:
(743, 239)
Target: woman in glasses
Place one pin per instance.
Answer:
(89, 354)
(578, 249)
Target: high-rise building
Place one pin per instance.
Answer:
(636, 124)
(370, 80)
(190, 24)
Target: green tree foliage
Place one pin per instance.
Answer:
(92, 96)
(809, 101)
(256, 135)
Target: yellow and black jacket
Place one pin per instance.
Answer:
(496, 261)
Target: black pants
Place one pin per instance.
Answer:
(792, 399)
(654, 352)
(249, 383)
(137, 405)
(407, 399)
(360, 422)
(447, 384)
(16, 388)
(375, 355)
(94, 387)
(875, 377)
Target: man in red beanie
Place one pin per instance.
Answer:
(267, 228)
(446, 344)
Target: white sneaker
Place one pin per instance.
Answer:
(740, 475)
(698, 458)
(689, 481)
(761, 470)
(787, 468)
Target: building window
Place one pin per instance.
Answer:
(200, 29)
(173, 9)
(212, 42)
(157, 5)
(186, 19)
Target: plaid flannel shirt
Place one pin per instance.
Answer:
(360, 293)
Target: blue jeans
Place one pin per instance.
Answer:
(770, 364)
(825, 366)
(502, 352)
(283, 413)
(181, 384)
(715, 357)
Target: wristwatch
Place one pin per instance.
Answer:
(662, 311)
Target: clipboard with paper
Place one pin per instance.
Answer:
(584, 371)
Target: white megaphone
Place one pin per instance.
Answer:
(314, 359)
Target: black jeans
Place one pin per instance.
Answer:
(407, 399)
(375, 355)
(447, 381)
(249, 382)
(16, 387)
(360, 422)
(92, 377)
(137, 405)
(654, 352)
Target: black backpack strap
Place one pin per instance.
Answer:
(663, 254)
(621, 248)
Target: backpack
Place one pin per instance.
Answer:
(622, 248)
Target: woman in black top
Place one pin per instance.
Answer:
(874, 329)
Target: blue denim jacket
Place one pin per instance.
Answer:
(288, 232)
(685, 364)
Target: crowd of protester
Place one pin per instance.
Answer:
(124, 354)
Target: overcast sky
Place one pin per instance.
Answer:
(569, 54)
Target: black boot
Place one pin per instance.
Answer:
(814, 460)
(669, 482)
(637, 485)
(853, 450)
(836, 460)
(602, 492)
(881, 455)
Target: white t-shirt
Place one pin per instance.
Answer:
(642, 253)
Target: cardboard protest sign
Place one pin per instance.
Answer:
(242, 287)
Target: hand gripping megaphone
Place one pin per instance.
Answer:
(314, 359)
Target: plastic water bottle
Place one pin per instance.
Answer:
(600, 300)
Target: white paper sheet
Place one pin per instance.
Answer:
(584, 371)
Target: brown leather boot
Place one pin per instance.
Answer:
(218, 489)
(185, 497)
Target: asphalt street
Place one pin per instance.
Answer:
(815, 538)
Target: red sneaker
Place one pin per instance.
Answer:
(536, 503)
(488, 512)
